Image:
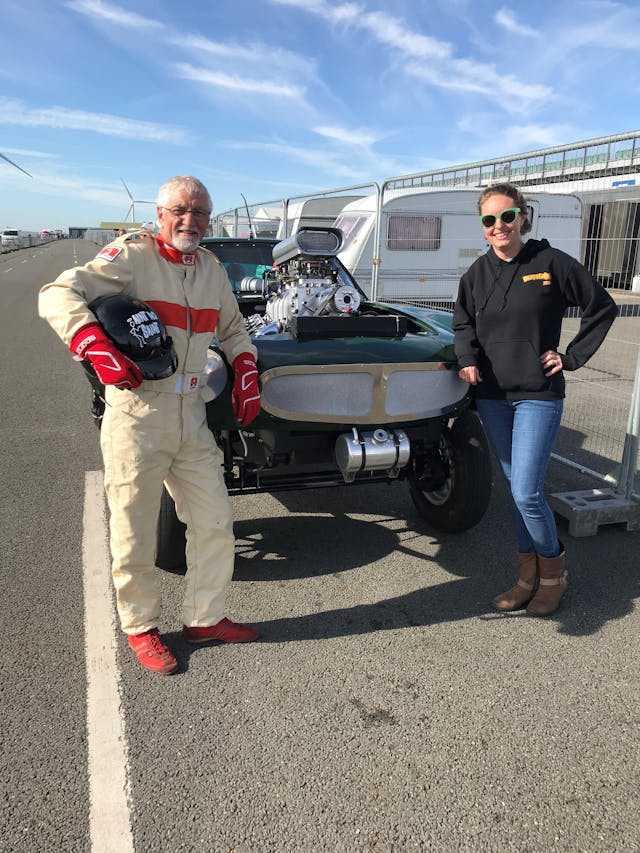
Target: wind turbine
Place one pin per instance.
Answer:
(134, 201)
(16, 165)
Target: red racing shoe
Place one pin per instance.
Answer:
(152, 652)
(224, 630)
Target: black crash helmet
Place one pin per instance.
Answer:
(138, 332)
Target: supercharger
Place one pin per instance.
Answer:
(307, 288)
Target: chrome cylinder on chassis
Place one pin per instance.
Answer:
(381, 450)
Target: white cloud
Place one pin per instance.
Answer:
(359, 138)
(420, 55)
(483, 127)
(521, 138)
(316, 7)
(602, 25)
(221, 80)
(286, 62)
(364, 168)
(13, 111)
(390, 31)
(386, 29)
(463, 75)
(113, 14)
(80, 188)
(323, 159)
(28, 152)
(282, 63)
(238, 179)
(227, 50)
(67, 187)
(506, 19)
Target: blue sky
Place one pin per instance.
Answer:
(275, 98)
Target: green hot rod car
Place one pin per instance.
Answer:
(353, 391)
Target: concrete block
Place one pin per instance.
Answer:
(587, 509)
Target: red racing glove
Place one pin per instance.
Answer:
(112, 367)
(245, 395)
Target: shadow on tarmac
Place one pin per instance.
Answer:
(604, 575)
(320, 537)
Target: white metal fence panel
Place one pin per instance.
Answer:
(599, 398)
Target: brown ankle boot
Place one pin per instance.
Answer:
(553, 585)
(524, 590)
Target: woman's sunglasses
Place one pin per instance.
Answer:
(507, 216)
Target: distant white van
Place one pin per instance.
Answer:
(12, 238)
(428, 239)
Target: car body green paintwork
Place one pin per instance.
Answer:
(429, 339)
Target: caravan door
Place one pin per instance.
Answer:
(533, 214)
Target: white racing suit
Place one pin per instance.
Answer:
(158, 433)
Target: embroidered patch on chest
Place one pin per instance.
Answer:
(188, 260)
(543, 277)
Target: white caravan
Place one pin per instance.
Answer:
(428, 239)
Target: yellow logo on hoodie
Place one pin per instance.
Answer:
(544, 277)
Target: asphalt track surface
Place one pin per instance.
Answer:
(387, 707)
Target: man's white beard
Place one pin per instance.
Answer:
(185, 243)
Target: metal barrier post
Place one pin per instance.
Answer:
(630, 452)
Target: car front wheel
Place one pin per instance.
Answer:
(461, 496)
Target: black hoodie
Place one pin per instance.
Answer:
(509, 312)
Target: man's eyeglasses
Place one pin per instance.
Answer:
(507, 216)
(179, 212)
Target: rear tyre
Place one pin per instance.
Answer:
(462, 500)
(170, 537)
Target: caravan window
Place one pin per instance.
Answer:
(350, 224)
(413, 233)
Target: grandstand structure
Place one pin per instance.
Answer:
(604, 162)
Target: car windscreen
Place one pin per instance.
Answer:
(242, 259)
(350, 224)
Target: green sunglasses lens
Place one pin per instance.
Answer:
(507, 216)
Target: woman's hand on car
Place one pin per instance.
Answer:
(470, 374)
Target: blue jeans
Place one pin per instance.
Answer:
(522, 434)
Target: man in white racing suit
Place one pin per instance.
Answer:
(155, 431)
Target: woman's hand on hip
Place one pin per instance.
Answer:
(551, 362)
(470, 374)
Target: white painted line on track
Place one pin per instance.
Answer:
(110, 820)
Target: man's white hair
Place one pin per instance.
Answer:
(187, 182)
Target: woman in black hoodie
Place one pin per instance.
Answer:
(507, 322)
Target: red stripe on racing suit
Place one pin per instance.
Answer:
(197, 321)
